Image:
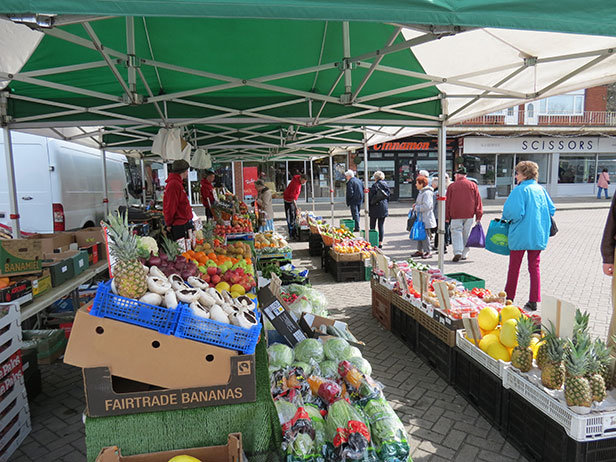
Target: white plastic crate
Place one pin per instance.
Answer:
(9, 312)
(14, 436)
(16, 406)
(589, 427)
(10, 340)
(496, 366)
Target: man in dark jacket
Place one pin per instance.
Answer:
(354, 196)
(608, 249)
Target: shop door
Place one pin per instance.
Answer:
(405, 179)
(504, 174)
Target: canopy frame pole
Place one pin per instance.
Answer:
(132, 58)
(10, 173)
(346, 46)
(442, 165)
(331, 184)
(143, 183)
(312, 183)
(306, 188)
(105, 186)
(366, 189)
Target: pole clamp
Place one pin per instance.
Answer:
(13, 216)
(105, 201)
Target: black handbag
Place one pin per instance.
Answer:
(411, 221)
(379, 195)
(553, 228)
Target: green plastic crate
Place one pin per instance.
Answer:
(348, 223)
(468, 280)
(374, 237)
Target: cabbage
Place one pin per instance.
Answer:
(309, 349)
(300, 306)
(337, 349)
(147, 244)
(318, 423)
(307, 368)
(329, 369)
(354, 352)
(280, 355)
(317, 299)
(273, 369)
(361, 364)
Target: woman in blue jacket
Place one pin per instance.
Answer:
(529, 209)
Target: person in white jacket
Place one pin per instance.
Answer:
(424, 208)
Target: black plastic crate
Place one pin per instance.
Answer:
(436, 353)
(345, 271)
(315, 245)
(325, 258)
(303, 235)
(539, 438)
(479, 386)
(404, 327)
(34, 384)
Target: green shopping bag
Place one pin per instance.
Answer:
(497, 239)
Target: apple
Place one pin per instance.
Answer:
(234, 279)
(218, 271)
(215, 279)
(211, 270)
(206, 277)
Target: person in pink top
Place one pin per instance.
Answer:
(603, 183)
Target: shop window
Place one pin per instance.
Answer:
(568, 104)
(576, 169)
(608, 162)
(481, 167)
(542, 161)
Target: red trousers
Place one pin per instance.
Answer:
(515, 261)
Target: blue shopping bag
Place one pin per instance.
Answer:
(418, 231)
(497, 239)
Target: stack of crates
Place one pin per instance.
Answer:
(14, 410)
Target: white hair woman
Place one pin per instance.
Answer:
(354, 196)
(379, 203)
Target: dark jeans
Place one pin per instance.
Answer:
(381, 221)
(447, 236)
(181, 231)
(290, 211)
(355, 214)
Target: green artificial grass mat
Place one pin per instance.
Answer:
(208, 426)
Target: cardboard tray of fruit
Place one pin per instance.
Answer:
(597, 424)
(496, 366)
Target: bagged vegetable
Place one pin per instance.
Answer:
(388, 433)
(297, 431)
(317, 299)
(337, 349)
(318, 423)
(361, 386)
(280, 355)
(329, 369)
(361, 364)
(308, 349)
(328, 390)
(348, 435)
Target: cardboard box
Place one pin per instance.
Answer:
(20, 256)
(40, 283)
(49, 344)
(53, 242)
(190, 374)
(61, 269)
(79, 258)
(231, 452)
(93, 253)
(16, 290)
(89, 236)
(311, 323)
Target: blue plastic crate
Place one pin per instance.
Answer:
(218, 333)
(108, 305)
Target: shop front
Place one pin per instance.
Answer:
(402, 160)
(568, 166)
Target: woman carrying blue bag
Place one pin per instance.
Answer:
(424, 209)
(529, 210)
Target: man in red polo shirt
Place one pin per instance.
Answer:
(290, 200)
(207, 192)
(176, 207)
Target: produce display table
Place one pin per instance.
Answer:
(40, 303)
(162, 431)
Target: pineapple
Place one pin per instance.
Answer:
(130, 277)
(577, 388)
(602, 354)
(580, 326)
(171, 248)
(542, 351)
(553, 373)
(522, 355)
(597, 384)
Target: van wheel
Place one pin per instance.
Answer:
(89, 224)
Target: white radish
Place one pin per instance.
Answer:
(245, 303)
(177, 283)
(157, 285)
(206, 299)
(244, 319)
(229, 309)
(187, 295)
(199, 283)
(199, 310)
(152, 298)
(216, 296)
(217, 314)
(227, 297)
(156, 272)
(171, 300)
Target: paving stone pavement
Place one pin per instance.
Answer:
(441, 424)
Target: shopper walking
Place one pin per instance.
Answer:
(290, 196)
(207, 192)
(424, 209)
(462, 204)
(529, 209)
(354, 196)
(176, 206)
(266, 209)
(438, 195)
(378, 202)
(603, 183)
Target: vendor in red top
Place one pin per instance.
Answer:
(462, 204)
(207, 192)
(176, 207)
(290, 200)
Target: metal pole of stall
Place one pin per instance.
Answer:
(105, 188)
(306, 188)
(143, 185)
(442, 165)
(10, 174)
(312, 183)
(366, 190)
(331, 184)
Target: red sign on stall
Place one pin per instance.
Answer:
(251, 174)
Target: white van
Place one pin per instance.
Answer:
(59, 184)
